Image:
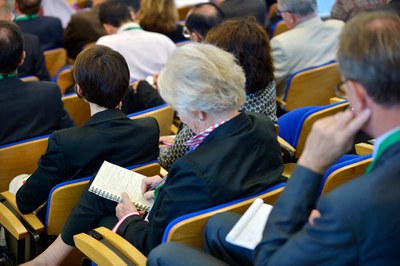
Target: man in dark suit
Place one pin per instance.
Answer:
(83, 28)
(358, 223)
(34, 60)
(48, 29)
(27, 109)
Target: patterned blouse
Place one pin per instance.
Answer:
(262, 102)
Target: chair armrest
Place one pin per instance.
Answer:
(288, 169)
(288, 151)
(336, 100)
(101, 254)
(11, 223)
(364, 148)
(30, 218)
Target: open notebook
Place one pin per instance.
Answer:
(248, 231)
(112, 180)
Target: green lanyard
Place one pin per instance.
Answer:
(24, 17)
(133, 28)
(386, 144)
(4, 76)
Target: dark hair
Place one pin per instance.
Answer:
(28, 7)
(202, 17)
(102, 74)
(248, 41)
(114, 12)
(11, 47)
(369, 54)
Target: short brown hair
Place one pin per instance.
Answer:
(369, 54)
(102, 74)
(249, 43)
(158, 15)
(28, 7)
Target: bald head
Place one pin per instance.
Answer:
(202, 17)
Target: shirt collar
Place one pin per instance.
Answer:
(194, 142)
(309, 22)
(379, 140)
(127, 26)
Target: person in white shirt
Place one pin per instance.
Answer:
(145, 52)
(309, 41)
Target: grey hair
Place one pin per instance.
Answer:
(369, 54)
(202, 77)
(301, 8)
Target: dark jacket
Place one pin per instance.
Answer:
(359, 223)
(83, 28)
(79, 152)
(30, 109)
(48, 29)
(34, 63)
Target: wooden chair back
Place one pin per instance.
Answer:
(163, 114)
(20, 158)
(77, 108)
(310, 120)
(190, 230)
(117, 250)
(65, 80)
(314, 86)
(55, 59)
(279, 28)
(64, 197)
(29, 78)
(272, 10)
(346, 173)
(183, 11)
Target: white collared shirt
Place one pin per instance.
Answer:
(145, 52)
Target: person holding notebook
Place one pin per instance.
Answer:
(102, 77)
(232, 155)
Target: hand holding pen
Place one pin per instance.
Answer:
(149, 184)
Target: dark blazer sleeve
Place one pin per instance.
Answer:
(50, 172)
(143, 98)
(184, 189)
(289, 238)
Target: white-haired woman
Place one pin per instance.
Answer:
(232, 155)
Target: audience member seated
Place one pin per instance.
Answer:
(34, 60)
(249, 43)
(200, 19)
(161, 16)
(48, 29)
(28, 109)
(205, 85)
(145, 52)
(244, 8)
(140, 96)
(102, 77)
(309, 41)
(346, 9)
(84, 28)
(58, 8)
(354, 224)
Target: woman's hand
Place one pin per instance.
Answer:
(126, 206)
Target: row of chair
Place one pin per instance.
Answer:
(111, 249)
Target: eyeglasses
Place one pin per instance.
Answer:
(279, 12)
(186, 32)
